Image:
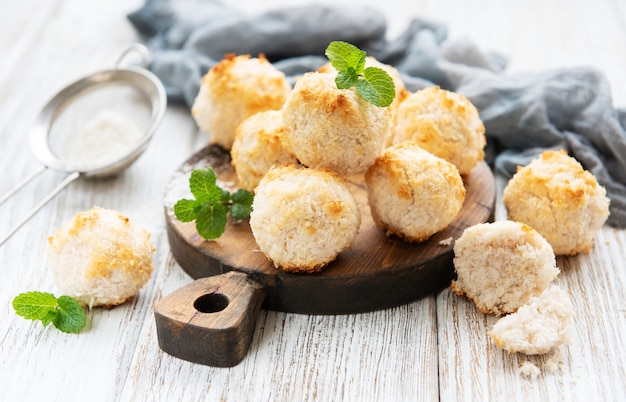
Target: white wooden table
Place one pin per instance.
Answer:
(431, 349)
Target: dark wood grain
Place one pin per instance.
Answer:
(211, 320)
(377, 272)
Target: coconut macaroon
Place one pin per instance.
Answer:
(536, 327)
(258, 147)
(559, 199)
(500, 266)
(303, 218)
(412, 193)
(234, 89)
(444, 123)
(100, 258)
(333, 128)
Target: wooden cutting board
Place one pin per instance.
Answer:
(377, 272)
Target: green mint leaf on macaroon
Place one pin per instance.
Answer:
(65, 313)
(343, 55)
(372, 83)
(212, 204)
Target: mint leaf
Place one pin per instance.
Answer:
(211, 220)
(343, 55)
(242, 204)
(346, 79)
(65, 312)
(202, 185)
(243, 197)
(35, 305)
(186, 210)
(372, 83)
(71, 316)
(240, 211)
(212, 204)
(49, 317)
(376, 87)
(225, 197)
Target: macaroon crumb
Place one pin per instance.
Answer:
(555, 361)
(529, 370)
(537, 327)
(446, 242)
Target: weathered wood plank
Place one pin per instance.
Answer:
(435, 348)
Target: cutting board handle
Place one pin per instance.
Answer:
(210, 321)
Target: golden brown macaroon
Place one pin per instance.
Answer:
(100, 257)
(303, 218)
(234, 89)
(412, 193)
(258, 147)
(444, 123)
(401, 91)
(558, 198)
(333, 128)
(500, 266)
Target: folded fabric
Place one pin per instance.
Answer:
(524, 114)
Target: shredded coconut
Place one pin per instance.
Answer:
(446, 242)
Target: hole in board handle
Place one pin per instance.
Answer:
(211, 303)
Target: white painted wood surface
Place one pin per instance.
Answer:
(432, 349)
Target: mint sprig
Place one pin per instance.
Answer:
(212, 204)
(65, 313)
(372, 83)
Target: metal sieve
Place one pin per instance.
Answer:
(95, 126)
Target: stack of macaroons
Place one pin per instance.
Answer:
(303, 214)
(413, 156)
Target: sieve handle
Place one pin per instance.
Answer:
(138, 48)
(51, 195)
(22, 184)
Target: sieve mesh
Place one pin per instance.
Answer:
(99, 125)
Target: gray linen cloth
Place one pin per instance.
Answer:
(524, 114)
